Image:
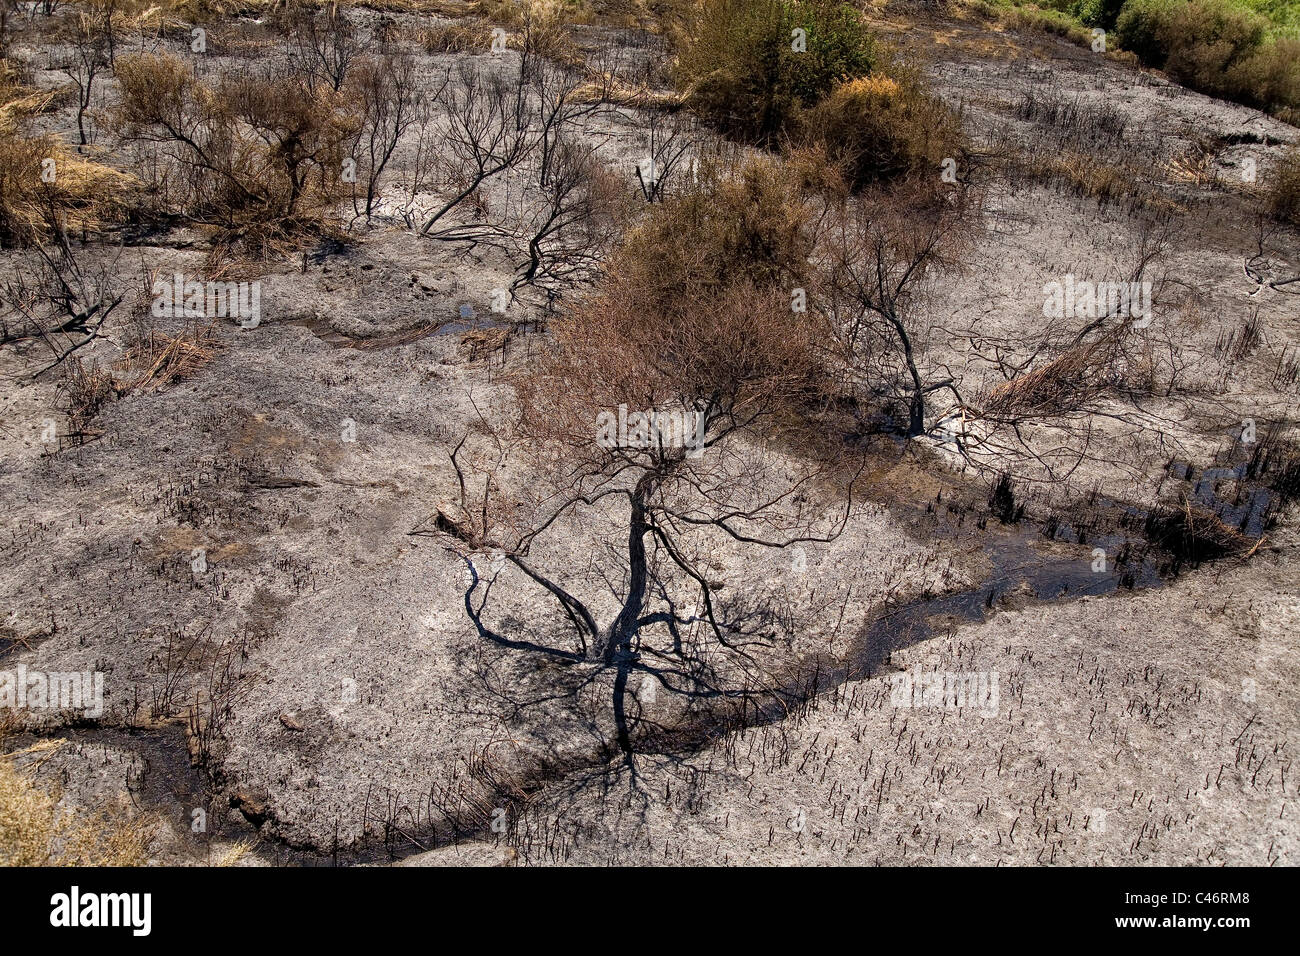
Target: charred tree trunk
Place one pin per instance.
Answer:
(916, 406)
(623, 630)
(619, 648)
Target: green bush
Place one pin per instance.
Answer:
(1211, 39)
(1242, 50)
(1140, 27)
(1218, 47)
(1098, 13)
(1192, 39)
(740, 69)
(1271, 78)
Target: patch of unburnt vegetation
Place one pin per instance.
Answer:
(1035, 17)
(1216, 46)
(751, 67)
(1246, 52)
(750, 223)
(880, 127)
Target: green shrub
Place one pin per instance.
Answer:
(1271, 78)
(1209, 40)
(1218, 47)
(1242, 50)
(1098, 13)
(1139, 28)
(876, 128)
(1058, 6)
(740, 69)
(1196, 41)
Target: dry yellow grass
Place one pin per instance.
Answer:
(40, 176)
(159, 360)
(235, 854)
(473, 36)
(1083, 173)
(609, 89)
(36, 831)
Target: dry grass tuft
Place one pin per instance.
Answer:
(1080, 373)
(618, 93)
(473, 36)
(41, 179)
(235, 854)
(152, 364)
(1089, 176)
(85, 388)
(159, 360)
(36, 831)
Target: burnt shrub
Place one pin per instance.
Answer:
(1193, 535)
(1002, 501)
(256, 154)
